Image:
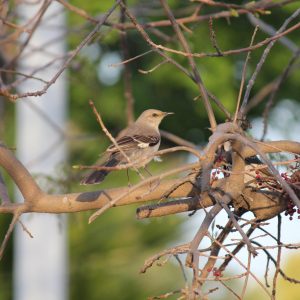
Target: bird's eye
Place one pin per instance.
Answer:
(154, 115)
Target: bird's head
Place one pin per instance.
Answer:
(153, 117)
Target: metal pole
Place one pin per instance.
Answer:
(40, 263)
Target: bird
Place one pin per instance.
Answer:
(138, 142)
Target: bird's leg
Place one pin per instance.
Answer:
(152, 188)
(128, 181)
(147, 171)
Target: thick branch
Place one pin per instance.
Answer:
(67, 203)
(37, 201)
(22, 178)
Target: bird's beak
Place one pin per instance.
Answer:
(168, 113)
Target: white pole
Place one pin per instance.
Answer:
(40, 263)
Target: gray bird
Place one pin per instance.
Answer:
(138, 141)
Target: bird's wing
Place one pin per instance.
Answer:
(127, 143)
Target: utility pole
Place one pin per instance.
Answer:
(40, 263)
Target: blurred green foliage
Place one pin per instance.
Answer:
(7, 133)
(105, 257)
(115, 246)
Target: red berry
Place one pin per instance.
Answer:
(217, 273)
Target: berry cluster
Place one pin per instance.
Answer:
(218, 162)
(214, 176)
(216, 272)
(285, 176)
(220, 159)
(258, 178)
(293, 179)
(291, 209)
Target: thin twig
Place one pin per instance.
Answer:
(276, 87)
(215, 249)
(195, 71)
(181, 268)
(264, 248)
(237, 248)
(202, 231)
(259, 7)
(231, 290)
(127, 73)
(213, 37)
(278, 256)
(223, 202)
(272, 31)
(247, 276)
(88, 38)
(266, 272)
(25, 229)
(39, 16)
(219, 105)
(154, 68)
(244, 76)
(245, 267)
(78, 11)
(263, 58)
(124, 62)
(176, 139)
(9, 232)
(171, 251)
(154, 47)
(225, 52)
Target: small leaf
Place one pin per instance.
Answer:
(250, 4)
(234, 13)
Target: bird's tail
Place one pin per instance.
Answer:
(99, 175)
